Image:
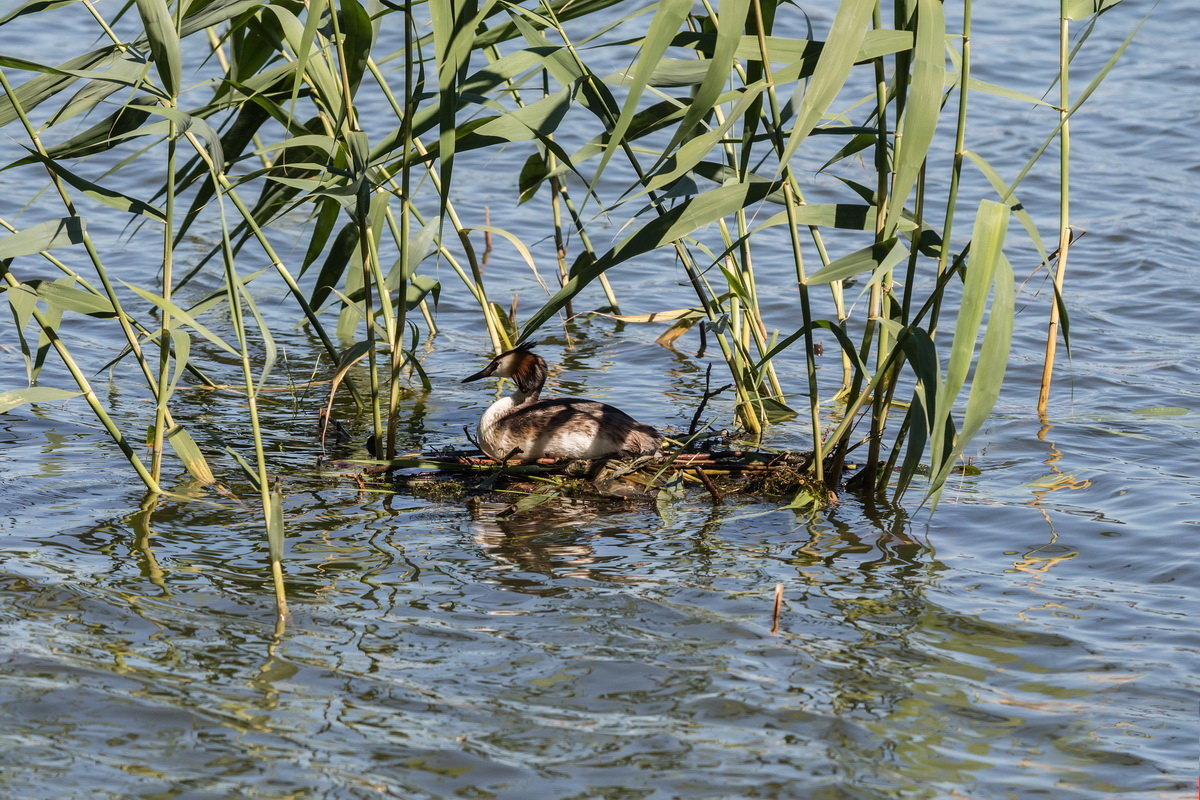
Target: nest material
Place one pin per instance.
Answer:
(458, 474)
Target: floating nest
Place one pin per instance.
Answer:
(456, 474)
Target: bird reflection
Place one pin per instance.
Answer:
(550, 541)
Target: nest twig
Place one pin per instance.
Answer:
(721, 473)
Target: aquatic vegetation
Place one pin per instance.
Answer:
(251, 114)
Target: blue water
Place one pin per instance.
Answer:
(1034, 637)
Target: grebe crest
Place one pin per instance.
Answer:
(522, 424)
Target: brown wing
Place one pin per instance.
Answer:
(570, 415)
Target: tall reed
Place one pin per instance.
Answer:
(704, 147)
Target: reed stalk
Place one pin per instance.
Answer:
(1064, 204)
(270, 498)
(148, 477)
(50, 331)
(792, 199)
(403, 240)
(960, 138)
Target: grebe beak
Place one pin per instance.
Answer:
(483, 373)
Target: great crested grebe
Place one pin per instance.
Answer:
(562, 427)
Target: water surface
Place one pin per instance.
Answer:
(1033, 638)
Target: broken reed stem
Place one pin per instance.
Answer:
(710, 486)
(777, 609)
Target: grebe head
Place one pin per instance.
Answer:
(527, 369)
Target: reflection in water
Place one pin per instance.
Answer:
(565, 647)
(548, 540)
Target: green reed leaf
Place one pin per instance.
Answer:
(188, 123)
(164, 43)
(36, 90)
(921, 355)
(785, 50)
(302, 46)
(48, 326)
(23, 302)
(418, 288)
(62, 295)
(337, 261)
(206, 15)
(668, 16)
(976, 85)
(130, 72)
(33, 394)
(555, 13)
(533, 174)
(109, 197)
(992, 363)
(454, 25)
(670, 73)
(692, 152)
(189, 453)
(837, 57)
(182, 317)
(733, 18)
(922, 108)
(33, 7)
(43, 236)
(987, 266)
(849, 216)
(102, 136)
(1081, 9)
(878, 257)
(359, 36)
(533, 121)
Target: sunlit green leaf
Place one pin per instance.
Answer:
(845, 38)
(60, 294)
(921, 109)
(668, 15)
(33, 394)
(880, 256)
(183, 317)
(189, 453)
(1081, 9)
(33, 7)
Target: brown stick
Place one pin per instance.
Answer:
(708, 395)
(712, 487)
(778, 608)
